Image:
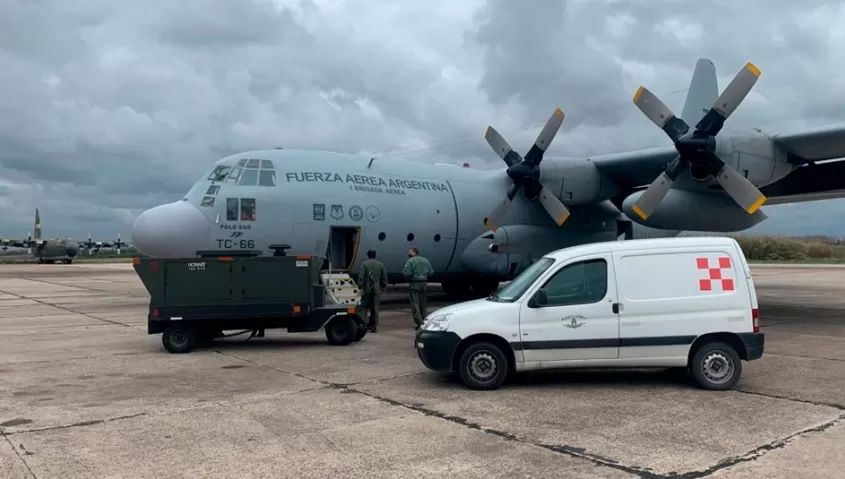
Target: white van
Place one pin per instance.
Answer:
(665, 303)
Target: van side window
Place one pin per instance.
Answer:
(584, 282)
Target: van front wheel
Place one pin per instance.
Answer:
(483, 366)
(716, 366)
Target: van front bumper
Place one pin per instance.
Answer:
(436, 349)
(754, 344)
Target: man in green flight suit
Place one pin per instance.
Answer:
(372, 280)
(417, 270)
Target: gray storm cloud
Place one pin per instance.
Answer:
(111, 108)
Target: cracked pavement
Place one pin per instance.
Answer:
(85, 392)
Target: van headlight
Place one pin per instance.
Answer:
(438, 322)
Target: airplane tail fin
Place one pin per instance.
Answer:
(703, 91)
(37, 229)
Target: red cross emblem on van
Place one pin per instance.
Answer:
(715, 274)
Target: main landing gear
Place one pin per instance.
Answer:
(470, 288)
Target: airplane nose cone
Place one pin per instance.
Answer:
(173, 230)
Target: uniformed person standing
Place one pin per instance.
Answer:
(372, 280)
(417, 271)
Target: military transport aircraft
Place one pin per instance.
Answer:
(56, 250)
(474, 225)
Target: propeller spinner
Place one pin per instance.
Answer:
(696, 148)
(525, 173)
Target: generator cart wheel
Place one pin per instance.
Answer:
(483, 366)
(362, 331)
(179, 339)
(341, 330)
(716, 366)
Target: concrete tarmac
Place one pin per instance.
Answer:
(85, 392)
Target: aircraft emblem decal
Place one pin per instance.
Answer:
(236, 234)
(572, 321)
(373, 214)
(356, 212)
(337, 212)
(319, 212)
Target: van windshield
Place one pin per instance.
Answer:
(522, 282)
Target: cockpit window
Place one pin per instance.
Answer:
(249, 177)
(267, 178)
(253, 172)
(212, 190)
(219, 173)
(240, 209)
(247, 209)
(231, 209)
(207, 201)
(233, 177)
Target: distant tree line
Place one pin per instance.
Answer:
(791, 248)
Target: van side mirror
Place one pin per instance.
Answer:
(540, 298)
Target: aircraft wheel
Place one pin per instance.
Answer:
(179, 339)
(341, 330)
(456, 289)
(483, 287)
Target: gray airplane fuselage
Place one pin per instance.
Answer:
(55, 250)
(318, 199)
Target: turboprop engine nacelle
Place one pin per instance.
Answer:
(695, 211)
(510, 249)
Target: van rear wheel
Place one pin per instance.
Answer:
(483, 366)
(716, 366)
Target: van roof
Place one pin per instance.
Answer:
(640, 244)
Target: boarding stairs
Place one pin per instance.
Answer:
(340, 288)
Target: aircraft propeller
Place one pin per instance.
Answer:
(696, 148)
(525, 173)
(91, 245)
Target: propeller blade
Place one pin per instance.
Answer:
(740, 189)
(502, 148)
(493, 221)
(659, 113)
(657, 190)
(544, 139)
(553, 206)
(729, 100)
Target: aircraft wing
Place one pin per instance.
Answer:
(817, 144)
(812, 182)
(13, 243)
(20, 243)
(96, 245)
(821, 180)
(809, 182)
(635, 168)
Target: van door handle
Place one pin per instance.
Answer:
(616, 308)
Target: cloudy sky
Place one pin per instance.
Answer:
(109, 107)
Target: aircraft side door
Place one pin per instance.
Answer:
(571, 316)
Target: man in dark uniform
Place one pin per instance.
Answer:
(417, 270)
(372, 280)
